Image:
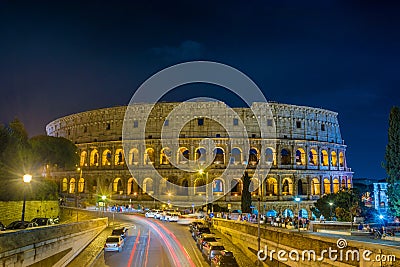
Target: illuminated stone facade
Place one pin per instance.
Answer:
(308, 159)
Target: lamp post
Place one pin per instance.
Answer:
(201, 172)
(103, 197)
(258, 229)
(27, 179)
(298, 200)
(77, 191)
(330, 213)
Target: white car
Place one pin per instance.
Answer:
(150, 214)
(114, 243)
(170, 217)
(189, 218)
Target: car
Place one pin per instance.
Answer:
(200, 230)
(193, 225)
(205, 238)
(119, 232)
(210, 249)
(151, 213)
(114, 243)
(158, 215)
(43, 221)
(189, 218)
(225, 258)
(2, 227)
(170, 217)
(19, 225)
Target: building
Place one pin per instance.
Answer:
(305, 156)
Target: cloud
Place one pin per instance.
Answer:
(187, 50)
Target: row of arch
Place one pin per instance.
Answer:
(219, 186)
(333, 159)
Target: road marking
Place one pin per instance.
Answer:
(147, 249)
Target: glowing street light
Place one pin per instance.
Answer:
(298, 200)
(330, 214)
(27, 179)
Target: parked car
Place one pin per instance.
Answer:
(225, 258)
(200, 230)
(158, 215)
(210, 249)
(43, 221)
(205, 238)
(151, 213)
(119, 232)
(189, 218)
(114, 243)
(170, 217)
(193, 225)
(19, 225)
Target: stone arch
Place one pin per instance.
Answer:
(184, 190)
(218, 186)
(94, 158)
(236, 186)
(272, 213)
(271, 187)
(336, 185)
(133, 157)
(149, 156)
(303, 213)
(315, 187)
(333, 159)
(313, 157)
(341, 159)
(117, 185)
(132, 186)
(302, 187)
(287, 186)
(119, 157)
(254, 186)
(200, 154)
(183, 155)
(64, 187)
(285, 157)
(72, 184)
(343, 183)
(300, 156)
(349, 183)
(148, 186)
(236, 156)
(199, 186)
(270, 156)
(165, 156)
(324, 158)
(82, 161)
(254, 156)
(81, 185)
(219, 155)
(327, 186)
(106, 158)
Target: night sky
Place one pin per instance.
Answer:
(61, 58)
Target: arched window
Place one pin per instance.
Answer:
(106, 159)
(236, 156)
(343, 183)
(336, 186)
(64, 185)
(301, 187)
(183, 155)
(269, 156)
(349, 182)
(333, 159)
(119, 157)
(287, 186)
(133, 186)
(288, 213)
(300, 157)
(83, 158)
(133, 156)
(237, 187)
(253, 156)
(272, 213)
(272, 187)
(184, 187)
(254, 186)
(117, 185)
(94, 158)
(81, 185)
(218, 186)
(341, 159)
(303, 213)
(149, 156)
(199, 186)
(285, 157)
(327, 186)
(219, 156)
(165, 155)
(315, 187)
(312, 157)
(324, 158)
(201, 154)
(148, 186)
(72, 185)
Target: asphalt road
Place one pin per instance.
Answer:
(152, 243)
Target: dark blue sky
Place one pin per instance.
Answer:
(60, 58)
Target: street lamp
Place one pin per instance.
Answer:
(103, 197)
(298, 200)
(201, 172)
(27, 179)
(330, 213)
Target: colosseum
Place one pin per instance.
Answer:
(304, 157)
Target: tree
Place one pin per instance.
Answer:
(392, 161)
(246, 195)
